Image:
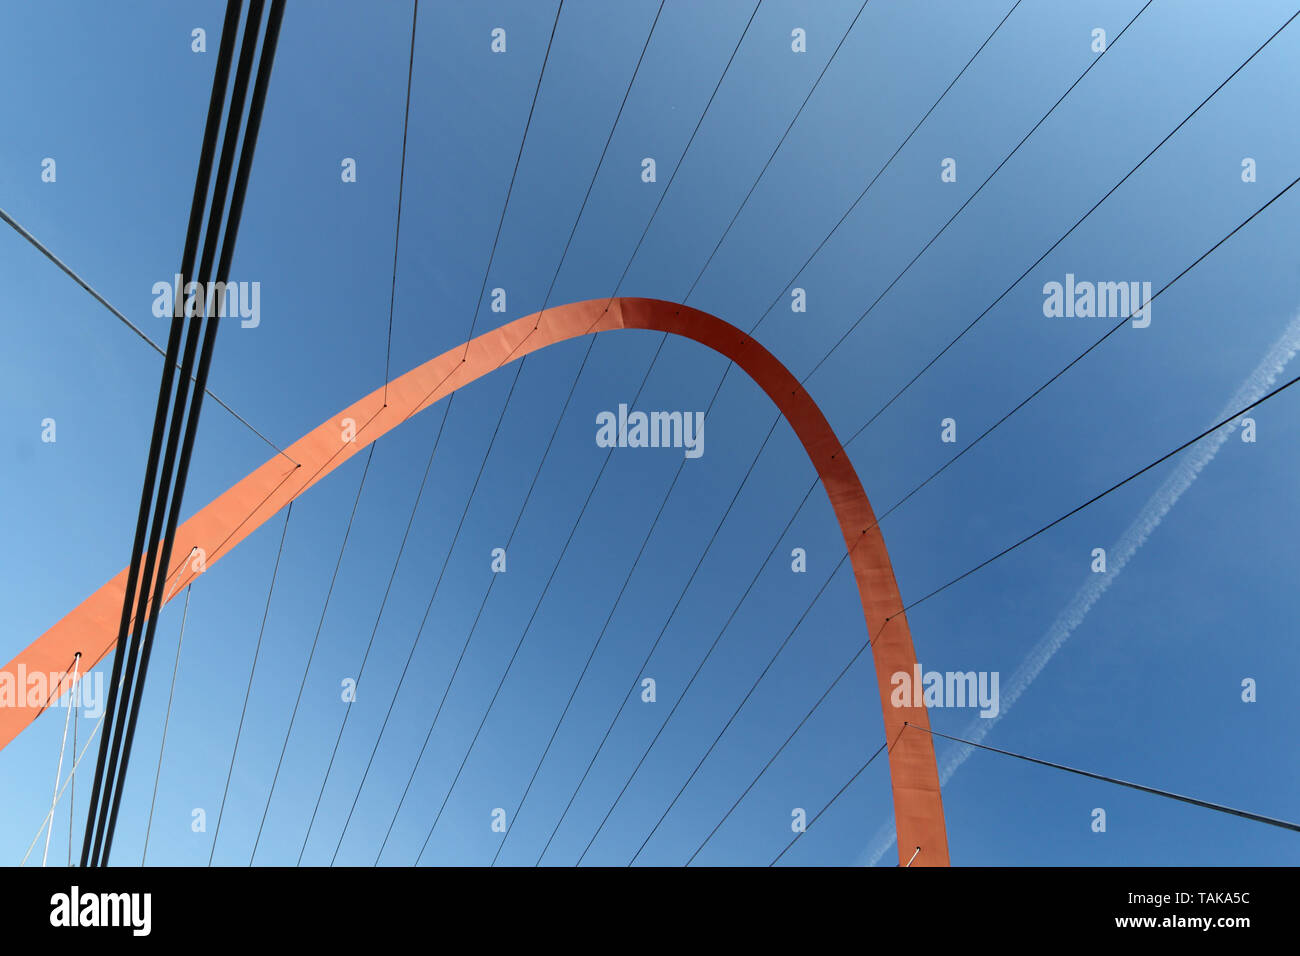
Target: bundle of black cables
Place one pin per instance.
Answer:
(164, 487)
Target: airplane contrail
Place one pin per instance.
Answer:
(1259, 382)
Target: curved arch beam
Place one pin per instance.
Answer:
(91, 628)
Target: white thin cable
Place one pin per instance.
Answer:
(71, 775)
(58, 774)
(74, 701)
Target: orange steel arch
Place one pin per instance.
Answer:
(91, 628)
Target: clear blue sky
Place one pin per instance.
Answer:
(1146, 688)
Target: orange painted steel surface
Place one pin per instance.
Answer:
(91, 627)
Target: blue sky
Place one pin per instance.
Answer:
(1148, 687)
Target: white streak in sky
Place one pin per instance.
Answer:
(1158, 505)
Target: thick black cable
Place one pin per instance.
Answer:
(168, 474)
(233, 220)
(1245, 814)
(206, 153)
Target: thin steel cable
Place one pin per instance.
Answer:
(832, 800)
(478, 304)
(44, 250)
(673, 484)
(888, 162)
(49, 817)
(590, 345)
(928, 365)
(1115, 487)
(1075, 361)
(979, 189)
(682, 696)
(248, 690)
(610, 617)
(293, 717)
(401, 182)
(513, 174)
(167, 719)
(58, 774)
(501, 683)
(608, 455)
(700, 122)
(853, 660)
(365, 657)
(1219, 807)
(464, 647)
(798, 727)
(645, 662)
(771, 156)
(1023, 541)
(75, 703)
(545, 301)
(1078, 358)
